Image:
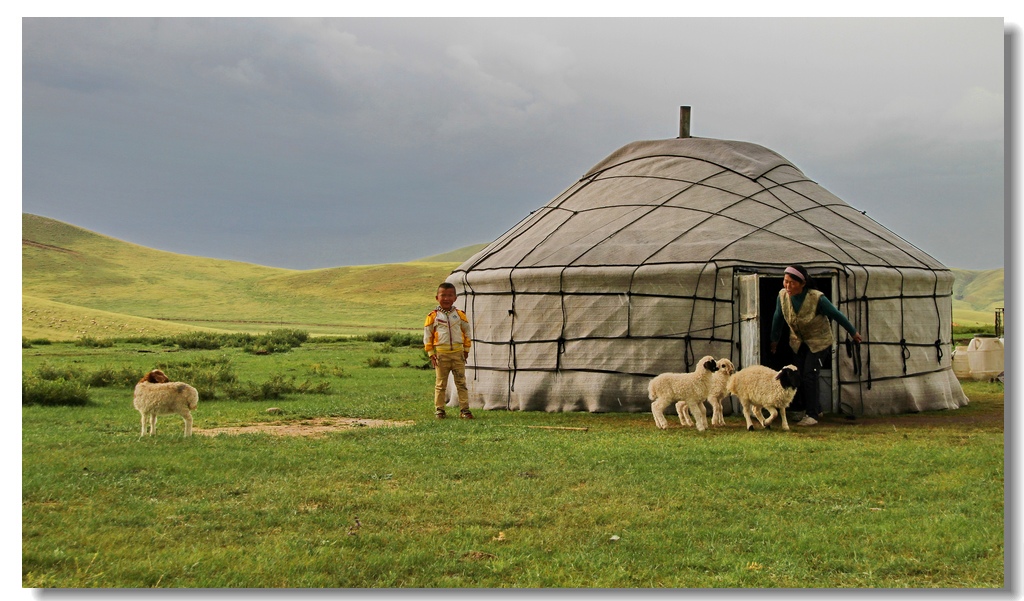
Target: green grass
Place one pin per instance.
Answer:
(876, 503)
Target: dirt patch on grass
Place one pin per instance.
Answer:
(309, 427)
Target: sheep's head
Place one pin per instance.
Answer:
(155, 377)
(708, 363)
(789, 377)
(726, 367)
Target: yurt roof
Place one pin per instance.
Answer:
(697, 200)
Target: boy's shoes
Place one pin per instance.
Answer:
(807, 421)
(440, 414)
(465, 414)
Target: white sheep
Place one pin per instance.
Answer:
(156, 395)
(759, 387)
(719, 390)
(686, 390)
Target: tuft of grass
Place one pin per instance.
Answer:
(378, 361)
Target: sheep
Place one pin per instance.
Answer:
(719, 391)
(687, 390)
(759, 387)
(716, 394)
(156, 395)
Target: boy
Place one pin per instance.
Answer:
(446, 338)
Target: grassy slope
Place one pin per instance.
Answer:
(976, 295)
(86, 273)
(458, 255)
(72, 266)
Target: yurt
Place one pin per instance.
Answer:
(669, 250)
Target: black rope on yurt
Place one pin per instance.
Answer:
(512, 363)
(904, 351)
(471, 307)
(938, 321)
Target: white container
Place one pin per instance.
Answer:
(961, 365)
(985, 355)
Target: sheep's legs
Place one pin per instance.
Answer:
(748, 409)
(658, 409)
(746, 416)
(684, 415)
(772, 412)
(700, 415)
(785, 424)
(759, 414)
(144, 420)
(716, 412)
(188, 423)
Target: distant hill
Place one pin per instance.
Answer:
(459, 255)
(976, 295)
(77, 268)
(76, 282)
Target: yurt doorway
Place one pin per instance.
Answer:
(757, 294)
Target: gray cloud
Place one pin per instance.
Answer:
(309, 143)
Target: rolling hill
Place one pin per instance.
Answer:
(76, 282)
(98, 278)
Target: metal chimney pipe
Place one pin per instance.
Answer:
(684, 122)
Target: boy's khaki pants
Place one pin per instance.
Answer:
(454, 364)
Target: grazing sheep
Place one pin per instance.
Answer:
(156, 395)
(759, 387)
(686, 390)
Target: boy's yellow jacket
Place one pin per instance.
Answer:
(446, 332)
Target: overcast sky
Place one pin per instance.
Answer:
(326, 142)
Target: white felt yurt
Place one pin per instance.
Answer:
(669, 250)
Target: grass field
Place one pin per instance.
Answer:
(505, 500)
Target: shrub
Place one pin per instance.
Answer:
(276, 341)
(395, 338)
(37, 391)
(90, 342)
(307, 387)
(50, 372)
(292, 337)
(273, 388)
(207, 374)
(424, 362)
(112, 376)
(199, 341)
(407, 339)
(379, 336)
(319, 369)
(378, 361)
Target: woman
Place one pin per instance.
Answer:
(807, 312)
